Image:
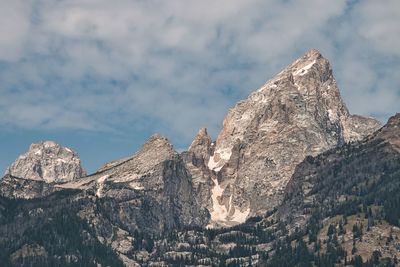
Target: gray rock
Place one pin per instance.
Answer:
(49, 162)
(13, 187)
(152, 189)
(196, 159)
(297, 113)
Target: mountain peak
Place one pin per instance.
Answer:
(312, 62)
(202, 132)
(157, 142)
(201, 138)
(47, 161)
(201, 146)
(313, 53)
(297, 113)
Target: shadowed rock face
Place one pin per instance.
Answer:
(152, 188)
(297, 113)
(48, 162)
(196, 159)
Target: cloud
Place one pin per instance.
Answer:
(174, 66)
(14, 28)
(377, 23)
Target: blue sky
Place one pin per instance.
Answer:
(102, 76)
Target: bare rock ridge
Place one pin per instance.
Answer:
(153, 183)
(297, 113)
(48, 162)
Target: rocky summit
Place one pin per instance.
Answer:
(297, 113)
(293, 179)
(48, 162)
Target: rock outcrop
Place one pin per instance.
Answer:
(297, 113)
(48, 162)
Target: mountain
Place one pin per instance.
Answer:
(297, 113)
(115, 209)
(34, 173)
(293, 179)
(153, 188)
(48, 162)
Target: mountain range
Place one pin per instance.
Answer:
(293, 179)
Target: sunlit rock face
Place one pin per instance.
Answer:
(49, 162)
(297, 113)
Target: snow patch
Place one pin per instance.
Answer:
(212, 164)
(100, 183)
(61, 161)
(220, 212)
(223, 155)
(48, 144)
(332, 115)
(136, 186)
(304, 69)
(39, 152)
(240, 217)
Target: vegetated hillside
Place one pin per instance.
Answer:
(348, 200)
(49, 232)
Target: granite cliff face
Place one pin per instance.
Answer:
(297, 113)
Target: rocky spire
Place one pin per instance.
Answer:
(49, 162)
(196, 159)
(202, 145)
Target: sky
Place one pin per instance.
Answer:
(102, 76)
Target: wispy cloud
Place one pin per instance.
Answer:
(174, 66)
